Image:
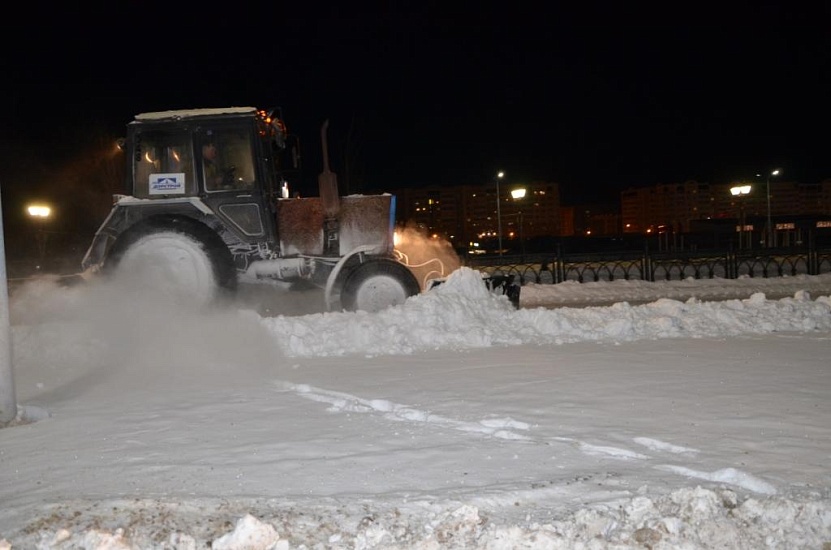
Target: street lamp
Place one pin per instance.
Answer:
(499, 176)
(40, 213)
(520, 194)
(740, 191)
(769, 233)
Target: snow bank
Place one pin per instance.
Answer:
(685, 518)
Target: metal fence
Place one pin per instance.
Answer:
(556, 267)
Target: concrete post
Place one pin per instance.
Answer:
(8, 401)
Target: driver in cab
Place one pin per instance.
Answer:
(215, 177)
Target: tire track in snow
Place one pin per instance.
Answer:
(729, 476)
(603, 450)
(500, 428)
(657, 445)
(503, 428)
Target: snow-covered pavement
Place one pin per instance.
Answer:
(453, 421)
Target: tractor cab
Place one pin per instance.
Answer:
(228, 158)
(204, 152)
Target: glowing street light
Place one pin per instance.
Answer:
(40, 214)
(39, 211)
(740, 191)
(499, 176)
(769, 228)
(520, 194)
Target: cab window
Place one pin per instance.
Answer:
(227, 160)
(163, 164)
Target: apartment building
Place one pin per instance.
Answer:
(675, 206)
(466, 213)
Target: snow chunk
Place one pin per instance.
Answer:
(250, 534)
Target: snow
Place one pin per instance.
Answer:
(187, 113)
(692, 414)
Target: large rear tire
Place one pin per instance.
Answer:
(177, 261)
(378, 284)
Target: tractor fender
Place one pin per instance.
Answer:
(127, 212)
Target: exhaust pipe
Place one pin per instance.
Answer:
(328, 183)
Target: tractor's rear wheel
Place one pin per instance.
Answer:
(378, 284)
(172, 263)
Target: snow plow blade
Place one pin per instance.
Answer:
(504, 284)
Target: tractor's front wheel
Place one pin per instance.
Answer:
(378, 284)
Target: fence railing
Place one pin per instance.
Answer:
(656, 266)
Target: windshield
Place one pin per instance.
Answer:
(227, 159)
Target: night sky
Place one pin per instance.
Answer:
(597, 98)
